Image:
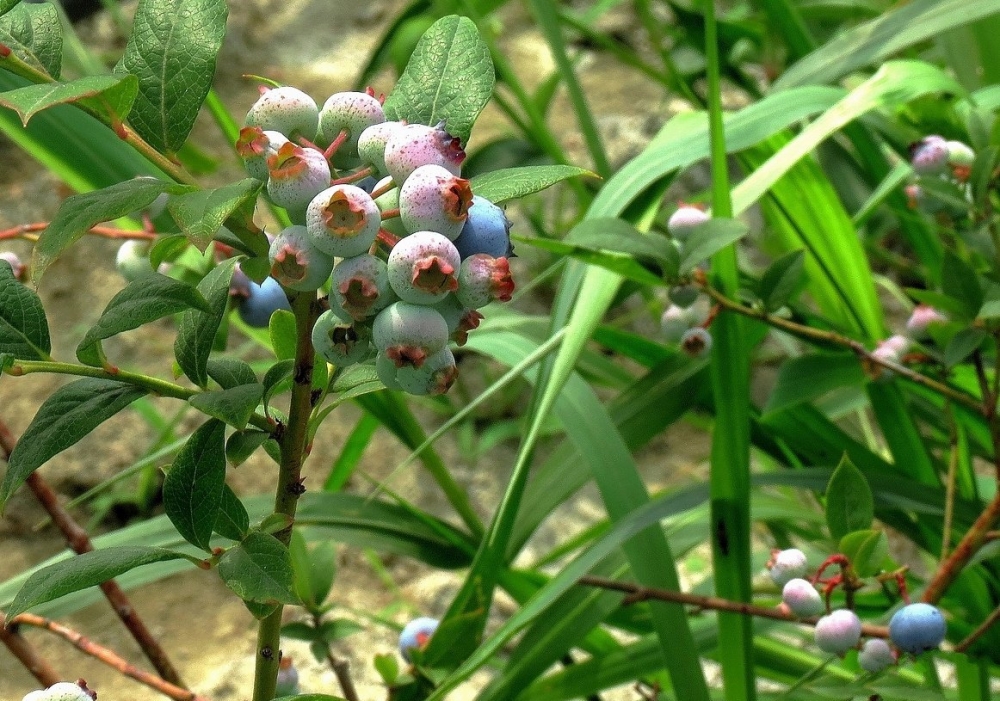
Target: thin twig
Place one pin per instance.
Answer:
(970, 544)
(638, 593)
(105, 655)
(342, 668)
(978, 632)
(949, 495)
(37, 665)
(27, 231)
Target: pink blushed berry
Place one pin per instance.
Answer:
(892, 349)
(416, 145)
(801, 598)
(786, 565)
(19, 269)
(838, 632)
(423, 267)
(685, 220)
(929, 156)
(922, 318)
(360, 287)
(483, 279)
(255, 146)
(433, 199)
(296, 176)
(343, 221)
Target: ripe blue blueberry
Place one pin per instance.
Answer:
(801, 598)
(787, 564)
(360, 287)
(296, 262)
(255, 146)
(295, 176)
(353, 112)
(486, 230)
(286, 110)
(916, 628)
(416, 634)
(339, 343)
(483, 279)
(343, 221)
(876, 655)
(409, 333)
(696, 342)
(432, 199)
(260, 302)
(838, 632)
(423, 267)
(685, 220)
(416, 145)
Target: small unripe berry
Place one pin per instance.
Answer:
(288, 678)
(132, 260)
(296, 262)
(685, 220)
(876, 655)
(674, 323)
(838, 632)
(460, 319)
(371, 144)
(353, 111)
(423, 267)
(892, 349)
(435, 376)
(416, 635)
(409, 333)
(360, 287)
(63, 691)
(286, 110)
(960, 155)
(786, 565)
(389, 200)
(338, 343)
(696, 342)
(255, 146)
(295, 176)
(929, 156)
(922, 318)
(432, 199)
(343, 221)
(416, 145)
(386, 370)
(917, 628)
(801, 598)
(483, 279)
(19, 269)
(683, 295)
(486, 230)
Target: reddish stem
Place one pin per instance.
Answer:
(354, 177)
(335, 144)
(37, 665)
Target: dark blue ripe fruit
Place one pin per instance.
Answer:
(917, 628)
(486, 230)
(260, 302)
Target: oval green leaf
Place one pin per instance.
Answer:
(193, 487)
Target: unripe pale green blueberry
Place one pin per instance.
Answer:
(432, 199)
(423, 267)
(408, 334)
(288, 678)
(416, 145)
(876, 655)
(696, 342)
(132, 260)
(338, 343)
(389, 200)
(801, 598)
(343, 221)
(63, 691)
(486, 230)
(353, 111)
(460, 319)
(787, 564)
(674, 323)
(295, 176)
(360, 287)
(917, 628)
(296, 262)
(386, 370)
(683, 221)
(838, 632)
(683, 295)
(960, 155)
(371, 144)
(286, 110)
(255, 146)
(435, 376)
(483, 279)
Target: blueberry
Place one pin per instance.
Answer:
(261, 301)
(409, 333)
(435, 376)
(132, 260)
(19, 269)
(295, 176)
(486, 230)
(929, 156)
(286, 110)
(916, 628)
(960, 155)
(389, 200)
(288, 678)
(432, 199)
(416, 145)
(343, 221)
(674, 323)
(683, 221)
(696, 342)
(360, 287)
(893, 348)
(353, 111)
(371, 144)
(386, 370)
(787, 564)
(423, 267)
(341, 344)
(415, 635)
(838, 632)
(255, 146)
(801, 598)
(296, 262)
(876, 655)
(64, 691)
(460, 319)
(923, 317)
(683, 295)
(483, 279)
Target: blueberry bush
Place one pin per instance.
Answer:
(824, 306)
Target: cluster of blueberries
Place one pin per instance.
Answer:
(379, 209)
(914, 628)
(685, 321)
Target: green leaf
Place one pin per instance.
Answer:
(235, 406)
(193, 487)
(152, 297)
(781, 281)
(34, 34)
(230, 372)
(83, 571)
(112, 95)
(24, 331)
(314, 571)
(866, 549)
(172, 51)
(200, 214)
(259, 569)
(872, 42)
(7, 5)
(388, 668)
(962, 345)
(449, 78)
(960, 282)
(623, 264)
(708, 239)
(282, 331)
(69, 414)
(80, 212)
(849, 502)
(339, 628)
(513, 183)
(196, 330)
(166, 248)
(233, 521)
(242, 444)
(810, 376)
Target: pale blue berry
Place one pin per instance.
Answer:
(786, 565)
(917, 628)
(261, 301)
(486, 230)
(876, 655)
(483, 279)
(416, 635)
